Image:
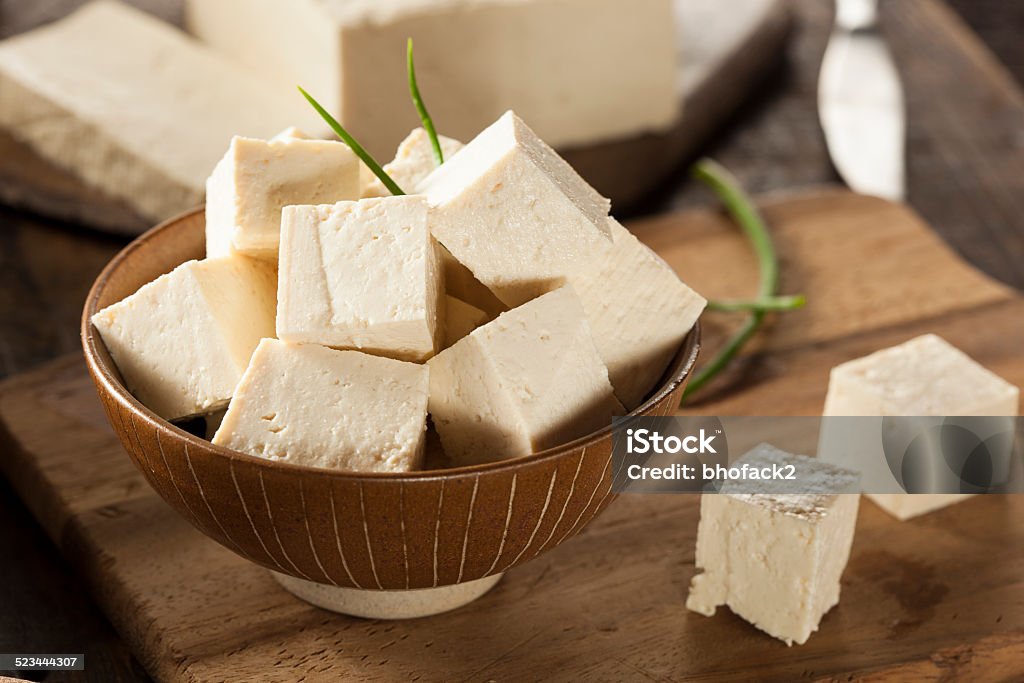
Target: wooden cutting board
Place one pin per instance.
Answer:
(937, 598)
(723, 52)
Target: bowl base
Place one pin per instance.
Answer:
(377, 604)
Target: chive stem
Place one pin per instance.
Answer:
(354, 145)
(742, 210)
(774, 303)
(421, 107)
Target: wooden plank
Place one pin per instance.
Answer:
(918, 597)
(721, 56)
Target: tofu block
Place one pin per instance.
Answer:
(515, 213)
(579, 69)
(132, 106)
(256, 179)
(183, 341)
(639, 311)
(923, 377)
(361, 275)
(529, 380)
(413, 162)
(460, 319)
(305, 404)
(775, 559)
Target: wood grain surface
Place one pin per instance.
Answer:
(722, 54)
(943, 592)
(773, 142)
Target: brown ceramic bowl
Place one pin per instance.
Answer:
(370, 531)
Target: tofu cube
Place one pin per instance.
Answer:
(460, 319)
(923, 377)
(257, 178)
(306, 404)
(183, 341)
(529, 380)
(413, 162)
(582, 69)
(775, 559)
(639, 311)
(361, 275)
(515, 213)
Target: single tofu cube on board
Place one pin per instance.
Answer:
(257, 178)
(182, 342)
(923, 377)
(309, 405)
(639, 311)
(460, 319)
(515, 213)
(529, 380)
(413, 162)
(361, 275)
(775, 559)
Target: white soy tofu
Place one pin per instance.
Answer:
(529, 380)
(460, 319)
(923, 377)
(639, 311)
(414, 160)
(306, 404)
(132, 106)
(183, 341)
(256, 179)
(362, 275)
(515, 213)
(775, 559)
(581, 70)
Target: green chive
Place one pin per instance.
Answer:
(775, 303)
(370, 162)
(746, 215)
(421, 108)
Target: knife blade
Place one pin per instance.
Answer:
(860, 103)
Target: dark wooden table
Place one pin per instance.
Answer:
(966, 176)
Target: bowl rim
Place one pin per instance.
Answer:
(101, 372)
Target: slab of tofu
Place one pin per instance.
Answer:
(183, 341)
(775, 559)
(923, 377)
(132, 106)
(590, 74)
(309, 405)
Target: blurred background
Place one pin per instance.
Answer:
(754, 108)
